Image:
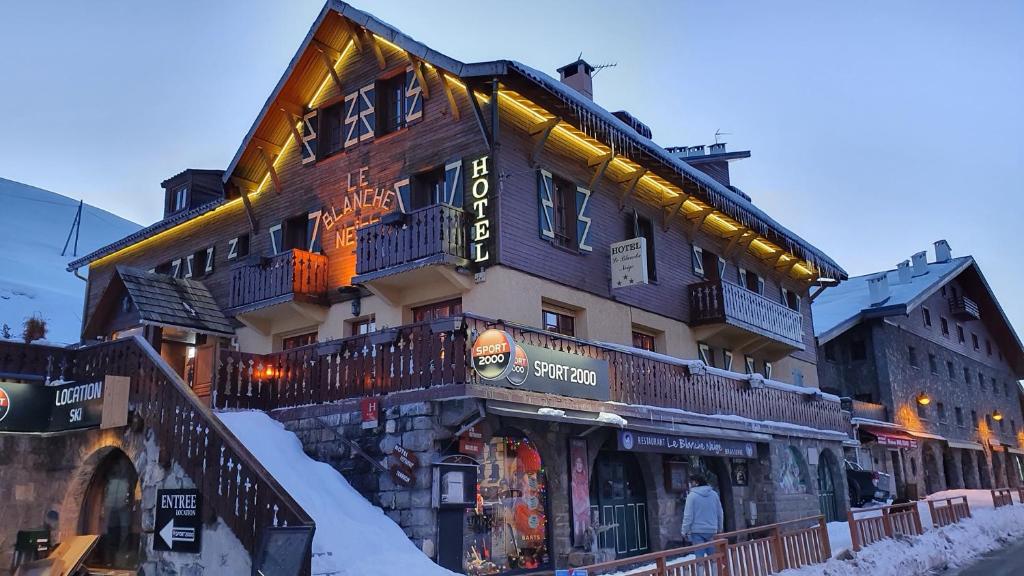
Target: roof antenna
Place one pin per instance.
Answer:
(597, 68)
(719, 134)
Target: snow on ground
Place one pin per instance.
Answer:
(353, 537)
(34, 225)
(950, 546)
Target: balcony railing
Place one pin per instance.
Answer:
(867, 410)
(291, 275)
(963, 308)
(719, 302)
(437, 232)
(430, 355)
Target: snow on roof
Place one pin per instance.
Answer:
(840, 307)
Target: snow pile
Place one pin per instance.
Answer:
(34, 225)
(614, 419)
(937, 549)
(353, 537)
(551, 412)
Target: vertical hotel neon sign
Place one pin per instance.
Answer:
(480, 212)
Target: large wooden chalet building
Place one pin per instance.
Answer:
(394, 215)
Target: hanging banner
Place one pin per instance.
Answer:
(635, 441)
(580, 481)
(499, 360)
(39, 408)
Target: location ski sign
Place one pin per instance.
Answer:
(179, 522)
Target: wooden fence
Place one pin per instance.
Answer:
(438, 230)
(675, 562)
(870, 526)
(1002, 497)
(949, 510)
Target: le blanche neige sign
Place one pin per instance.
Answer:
(500, 360)
(179, 521)
(629, 262)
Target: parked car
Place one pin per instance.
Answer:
(866, 486)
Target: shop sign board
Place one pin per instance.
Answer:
(403, 466)
(629, 262)
(500, 360)
(369, 408)
(636, 441)
(179, 522)
(39, 408)
(471, 442)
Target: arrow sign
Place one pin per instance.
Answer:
(178, 514)
(170, 534)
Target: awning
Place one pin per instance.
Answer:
(926, 435)
(890, 437)
(1015, 450)
(964, 445)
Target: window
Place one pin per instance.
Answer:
(927, 315)
(697, 260)
(364, 325)
(974, 417)
(933, 364)
(727, 360)
(750, 364)
(643, 341)
(390, 104)
(564, 210)
(945, 326)
(238, 247)
(427, 189)
(958, 413)
(981, 381)
(974, 341)
(922, 411)
(768, 370)
(559, 321)
(988, 346)
(967, 376)
(298, 341)
(707, 356)
(1006, 389)
(276, 240)
(791, 299)
(830, 351)
(798, 377)
(329, 136)
(912, 356)
(180, 199)
(913, 466)
(295, 233)
(950, 370)
(858, 350)
(437, 310)
(751, 281)
(642, 227)
(940, 408)
(959, 333)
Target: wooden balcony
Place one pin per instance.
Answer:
(963, 308)
(433, 235)
(295, 275)
(738, 314)
(433, 359)
(867, 410)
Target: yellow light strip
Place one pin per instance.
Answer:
(327, 77)
(389, 43)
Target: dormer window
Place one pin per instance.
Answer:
(180, 199)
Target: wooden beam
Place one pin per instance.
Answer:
(295, 110)
(734, 240)
(378, 52)
(274, 148)
(327, 49)
(744, 243)
(449, 94)
(673, 209)
(244, 186)
(291, 125)
(417, 69)
(541, 131)
(633, 180)
(699, 218)
(602, 165)
(330, 70)
(479, 115)
(270, 167)
(352, 33)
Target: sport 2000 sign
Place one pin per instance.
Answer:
(499, 359)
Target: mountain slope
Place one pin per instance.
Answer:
(34, 224)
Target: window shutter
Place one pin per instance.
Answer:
(698, 261)
(313, 232)
(751, 366)
(413, 96)
(727, 358)
(176, 268)
(583, 219)
(351, 123)
(760, 286)
(705, 354)
(721, 268)
(367, 117)
(798, 301)
(309, 130)
(768, 370)
(785, 296)
(232, 248)
(545, 204)
(743, 278)
(402, 191)
(453, 183)
(209, 260)
(275, 239)
(189, 265)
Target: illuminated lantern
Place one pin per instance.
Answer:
(528, 458)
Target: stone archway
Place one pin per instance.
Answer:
(111, 507)
(830, 486)
(932, 474)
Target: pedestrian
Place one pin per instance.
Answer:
(702, 514)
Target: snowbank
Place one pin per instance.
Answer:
(353, 537)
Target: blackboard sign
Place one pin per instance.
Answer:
(179, 522)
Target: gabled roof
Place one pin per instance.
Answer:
(842, 307)
(165, 301)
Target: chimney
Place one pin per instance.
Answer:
(717, 148)
(695, 150)
(903, 272)
(920, 263)
(878, 288)
(943, 253)
(577, 75)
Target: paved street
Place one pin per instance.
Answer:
(1008, 561)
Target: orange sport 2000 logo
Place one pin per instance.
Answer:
(496, 356)
(5, 403)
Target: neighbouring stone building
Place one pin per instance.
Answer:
(931, 367)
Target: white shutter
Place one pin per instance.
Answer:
(232, 248)
(313, 232)
(727, 357)
(275, 239)
(583, 219)
(189, 262)
(721, 268)
(367, 116)
(413, 96)
(309, 128)
(176, 268)
(351, 124)
(209, 261)
(705, 354)
(698, 261)
(760, 286)
(743, 278)
(453, 194)
(402, 192)
(768, 370)
(546, 205)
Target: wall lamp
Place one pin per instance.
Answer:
(997, 415)
(923, 399)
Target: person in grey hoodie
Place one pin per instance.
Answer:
(702, 513)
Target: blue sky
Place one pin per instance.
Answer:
(875, 127)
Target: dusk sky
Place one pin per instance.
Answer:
(875, 128)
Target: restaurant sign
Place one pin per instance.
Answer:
(634, 441)
(500, 360)
(39, 408)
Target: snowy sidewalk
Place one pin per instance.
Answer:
(353, 537)
(950, 546)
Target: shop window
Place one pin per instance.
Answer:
(437, 310)
(390, 104)
(559, 321)
(298, 341)
(364, 326)
(508, 528)
(793, 472)
(643, 341)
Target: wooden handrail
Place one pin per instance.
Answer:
(716, 301)
(946, 511)
(1002, 497)
(884, 522)
(436, 230)
(292, 273)
(713, 563)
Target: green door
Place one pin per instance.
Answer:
(619, 497)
